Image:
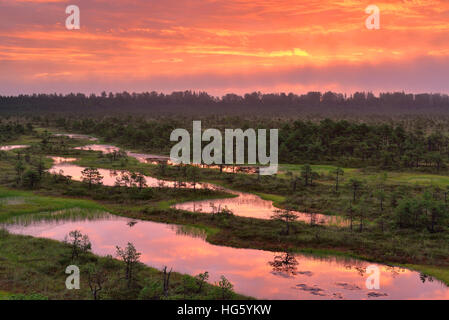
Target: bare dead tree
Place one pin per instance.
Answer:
(96, 277)
(166, 279)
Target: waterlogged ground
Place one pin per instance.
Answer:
(66, 167)
(257, 273)
(253, 206)
(244, 204)
(141, 157)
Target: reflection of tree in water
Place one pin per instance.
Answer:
(193, 232)
(424, 277)
(284, 265)
(58, 217)
(132, 223)
(361, 270)
(395, 271)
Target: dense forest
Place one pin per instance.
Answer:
(11, 130)
(192, 103)
(346, 143)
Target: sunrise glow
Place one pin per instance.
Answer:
(222, 46)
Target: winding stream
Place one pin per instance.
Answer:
(257, 273)
(244, 204)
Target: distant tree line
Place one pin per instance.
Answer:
(190, 102)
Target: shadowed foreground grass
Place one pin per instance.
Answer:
(400, 247)
(34, 268)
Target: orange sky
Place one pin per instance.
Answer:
(223, 45)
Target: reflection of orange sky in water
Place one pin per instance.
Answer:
(99, 147)
(12, 147)
(105, 148)
(247, 269)
(62, 165)
(154, 158)
(250, 205)
(245, 204)
(76, 136)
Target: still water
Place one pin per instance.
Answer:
(156, 159)
(244, 204)
(253, 206)
(66, 167)
(76, 136)
(257, 273)
(12, 147)
(141, 157)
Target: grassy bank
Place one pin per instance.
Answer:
(34, 268)
(319, 197)
(371, 175)
(439, 273)
(16, 203)
(421, 250)
(417, 247)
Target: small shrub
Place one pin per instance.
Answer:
(153, 290)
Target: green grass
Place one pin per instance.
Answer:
(276, 199)
(24, 139)
(35, 267)
(392, 177)
(166, 204)
(440, 273)
(16, 203)
(420, 179)
(398, 247)
(320, 168)
(5, 295)
(91, 158)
